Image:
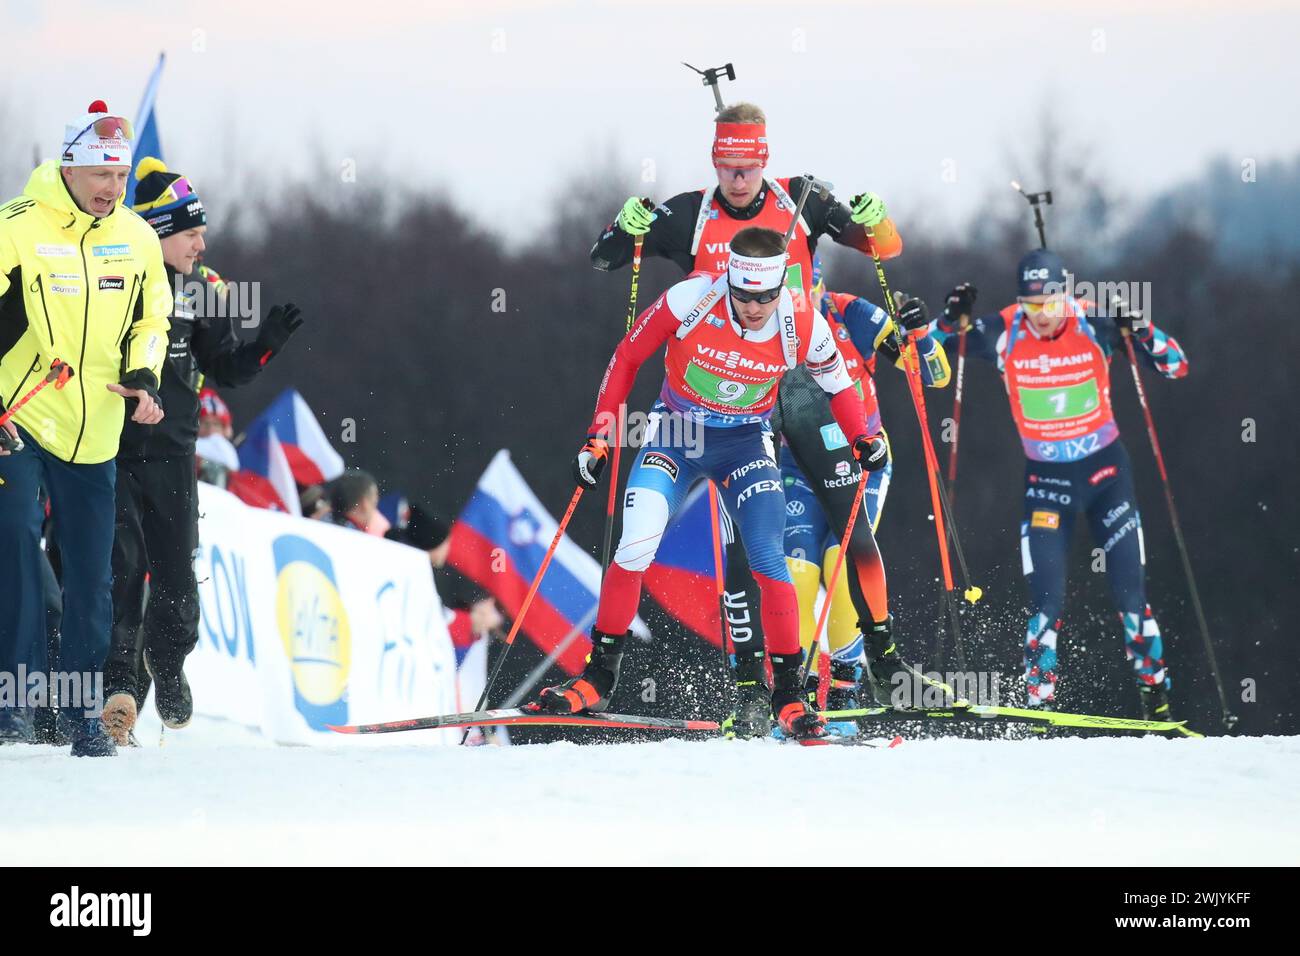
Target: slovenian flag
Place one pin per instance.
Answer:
(499, 541)
(682, 579)
(312, 459)
(147, 141)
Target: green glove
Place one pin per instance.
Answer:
(868, 210)
(635, 218)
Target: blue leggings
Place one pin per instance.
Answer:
(1100, 487)
(676, 454)
(82, 507)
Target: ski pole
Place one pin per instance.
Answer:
(59, 372)
(1229, 718)
(618, 441)
(824, 666)
(724, 633)
(938, 497)
(528, 598)
(956, 409)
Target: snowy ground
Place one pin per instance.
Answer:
(218, 793)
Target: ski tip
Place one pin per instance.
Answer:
(345, 729)
(711, 725)
(897, 741)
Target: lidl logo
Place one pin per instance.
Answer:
(314, 630)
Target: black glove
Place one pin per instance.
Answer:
(913, 314)
(142, 378)
(1131, 319)
(960, 301)
(871, 451)
(590, 462)
(277, 328)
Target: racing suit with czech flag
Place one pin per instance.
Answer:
(711, 422)
(1059, 390)
(694, 229)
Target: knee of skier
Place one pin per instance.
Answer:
(645, 515)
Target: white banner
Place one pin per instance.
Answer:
(305, 624)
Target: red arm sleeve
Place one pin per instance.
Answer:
(649, 332)
(850, 414)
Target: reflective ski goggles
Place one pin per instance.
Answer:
(1053, 306)
(175, 192)
(107, 127)
(763, 296)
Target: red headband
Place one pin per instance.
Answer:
(739, 141)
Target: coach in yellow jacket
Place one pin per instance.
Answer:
(81, 281)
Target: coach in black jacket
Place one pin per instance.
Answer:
(157, 496)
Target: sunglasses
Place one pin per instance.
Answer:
(746, 172)
(765, 296)
(107, 127)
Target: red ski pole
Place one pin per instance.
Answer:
(528, 598)
(59, 372)
(824, 659)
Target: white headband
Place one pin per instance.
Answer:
(759, 275)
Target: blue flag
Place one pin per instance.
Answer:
(147, 141)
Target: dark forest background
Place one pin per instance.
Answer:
(402, 337)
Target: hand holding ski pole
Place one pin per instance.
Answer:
(590, 462)
(59, 373)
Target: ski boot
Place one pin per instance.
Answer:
(590, 691)
(794, 718)
(171, 691)
(752, 716)
(90, 739)
(1155, 703)
(843, 694)
(895, 683)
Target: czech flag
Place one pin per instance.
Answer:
(681, 579)
(499, 541)
(312, 459)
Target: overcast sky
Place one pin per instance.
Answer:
(926, 102)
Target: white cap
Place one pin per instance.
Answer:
(82, 146)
